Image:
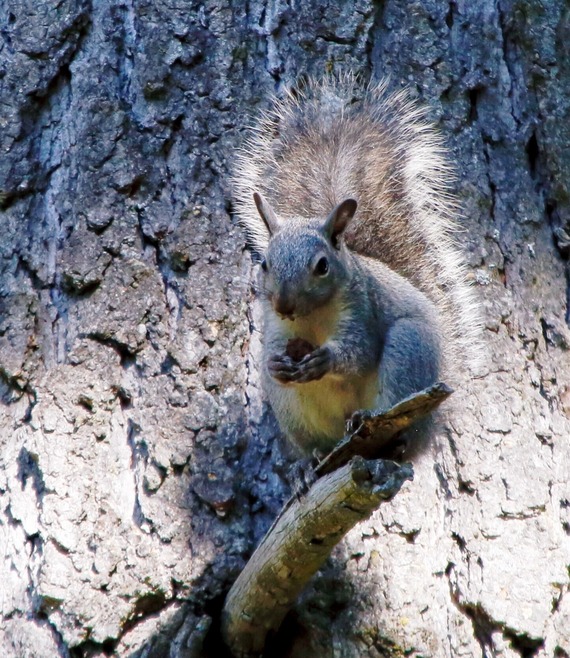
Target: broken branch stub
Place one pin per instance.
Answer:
(298, 544)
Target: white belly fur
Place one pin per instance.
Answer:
(314, 414)
(322, 407)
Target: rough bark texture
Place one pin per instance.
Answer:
(138, 465)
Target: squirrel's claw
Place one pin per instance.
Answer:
(356, 420)
(282, 368)
(315, 365)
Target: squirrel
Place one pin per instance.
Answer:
(344, 195)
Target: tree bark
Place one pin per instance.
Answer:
(139, 465)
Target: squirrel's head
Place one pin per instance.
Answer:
(305, 264)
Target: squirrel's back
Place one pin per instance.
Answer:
(332, 141)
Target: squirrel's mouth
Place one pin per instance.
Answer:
(286, 316)
(285, 306)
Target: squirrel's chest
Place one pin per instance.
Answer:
(322, 407)
(314, 413)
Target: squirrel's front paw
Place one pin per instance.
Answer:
(315, 365)
(311, 367)
(282, 368)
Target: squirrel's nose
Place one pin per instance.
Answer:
(284, 306)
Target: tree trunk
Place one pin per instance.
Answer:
(139, 466)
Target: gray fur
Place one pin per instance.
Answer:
(394, 313)
(381, 334)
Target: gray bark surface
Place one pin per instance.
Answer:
(139, 466)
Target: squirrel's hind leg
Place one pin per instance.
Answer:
(410, 360)
(410, 363)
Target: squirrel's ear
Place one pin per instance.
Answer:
(266, 213)
(338, 220)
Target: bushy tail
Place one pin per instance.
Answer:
(333, 139)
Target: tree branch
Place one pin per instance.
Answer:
(298, 544)
(348, 490)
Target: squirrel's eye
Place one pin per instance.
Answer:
(322, 267)
(264, 265)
